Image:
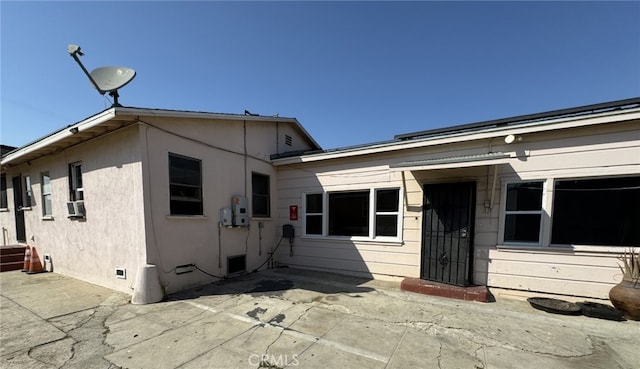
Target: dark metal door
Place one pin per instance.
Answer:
(21, 234)
(447, 224)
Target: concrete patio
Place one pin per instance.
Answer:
(291, 318)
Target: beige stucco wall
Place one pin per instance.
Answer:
(126, 192)
(229, 150)
(602, 150)
(111, 235)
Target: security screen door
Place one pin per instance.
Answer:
(447, 224)
(21, 234)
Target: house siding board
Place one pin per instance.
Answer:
(556, 286)
(603, 149)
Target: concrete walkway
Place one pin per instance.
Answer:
(294, 319)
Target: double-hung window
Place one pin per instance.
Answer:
(185, 185)
(387, 212)
(45, 189)
(373, 214)
(260, 197)
(313, 213)
(523, 212)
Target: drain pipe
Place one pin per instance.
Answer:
(4, 236)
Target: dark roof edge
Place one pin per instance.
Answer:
(586, 109)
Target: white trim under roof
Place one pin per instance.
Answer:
(614, 116)
(63, 138)
(464, 161)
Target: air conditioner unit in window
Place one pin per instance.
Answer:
(75, 209)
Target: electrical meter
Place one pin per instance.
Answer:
(240, 211)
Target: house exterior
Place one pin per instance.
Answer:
(540, 203)
(129, 187)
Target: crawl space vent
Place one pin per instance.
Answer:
(236, 264)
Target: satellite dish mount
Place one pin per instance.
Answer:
(104, 79)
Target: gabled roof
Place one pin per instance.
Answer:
(610, 112)
(117, 117)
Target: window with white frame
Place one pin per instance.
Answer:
(596, 211)
(367, 213)
(313, 213)
(523, 212)
(349, 213)
(45, 189)
(185, 185)
(76, 192)
(387, 203)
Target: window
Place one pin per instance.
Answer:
(387, 212)
(185, 185)
(45, 184)
(3, 191)
(28, 193)
(313, 213)
(603, 211)
(349, 213)
(76, 192)
(260, 195)
(360, 213)
(523, 212)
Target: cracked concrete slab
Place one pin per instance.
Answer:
(289, 318)
(165, 351)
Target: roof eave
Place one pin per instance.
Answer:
(538, 126)
(61, 137)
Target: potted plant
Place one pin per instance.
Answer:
(625, 296)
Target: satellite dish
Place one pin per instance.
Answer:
(112, 78)
(105, 79)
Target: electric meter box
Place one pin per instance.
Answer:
(225, 217)
(240, 211)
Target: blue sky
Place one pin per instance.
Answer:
(350, 72)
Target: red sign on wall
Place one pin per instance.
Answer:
(293, 212)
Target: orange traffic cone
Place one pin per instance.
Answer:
(27, 259)
(36, 265)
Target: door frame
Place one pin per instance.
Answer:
(470, 186)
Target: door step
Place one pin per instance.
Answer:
(11, 257)
(470, 293)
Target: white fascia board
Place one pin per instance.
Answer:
(534, 127)
(60, 135)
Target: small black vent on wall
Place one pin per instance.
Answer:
(236, 265)
(288, 140)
